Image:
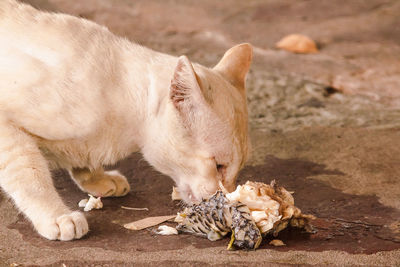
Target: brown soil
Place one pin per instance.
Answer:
(324, 125)
(355, 224)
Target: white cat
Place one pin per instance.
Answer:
(75, 96)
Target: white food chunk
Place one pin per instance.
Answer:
(180, 217)
(91, 203)
(259, 215)
(235, 195)
(265, 220)
(277, 243)
(247, 195)
(175, 194)
(263, 209)
(166, 230)
(83, 203)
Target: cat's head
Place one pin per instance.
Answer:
(206, 138)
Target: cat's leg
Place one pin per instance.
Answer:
(101, 183)
(25, 176)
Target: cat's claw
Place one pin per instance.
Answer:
(66, 227)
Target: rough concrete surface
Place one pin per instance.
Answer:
(325, 126)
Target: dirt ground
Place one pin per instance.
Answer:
(325, 126)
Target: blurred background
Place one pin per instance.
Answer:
(354, 79)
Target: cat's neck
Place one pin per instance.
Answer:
(146, 76)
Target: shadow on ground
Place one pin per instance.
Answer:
(356, 224)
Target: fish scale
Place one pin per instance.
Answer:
(251, 211)
(216, 217)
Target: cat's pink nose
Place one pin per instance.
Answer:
(190, 196)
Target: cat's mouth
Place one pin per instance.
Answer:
(196, 195)
(189, 197)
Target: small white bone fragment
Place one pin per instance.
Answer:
(175, 194)
(180, 217)
(83, 203)
(277, 243)
(147, 222)
(130, 208)
(222, 187)
(166, 230)
(92, 203)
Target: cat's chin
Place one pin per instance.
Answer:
(188, 196)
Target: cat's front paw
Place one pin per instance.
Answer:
(66, 227)
(108, 184)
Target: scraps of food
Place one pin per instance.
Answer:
(277, 243)
(147, 222)
(252, 211)
(175, 194)
(166, 230)
(91, 203)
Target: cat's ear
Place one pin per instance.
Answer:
(235, 64)
(185, 91)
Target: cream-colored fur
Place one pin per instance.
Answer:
(75, 96)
